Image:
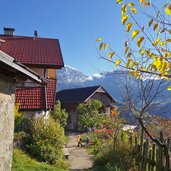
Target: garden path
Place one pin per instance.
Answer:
(79, 158)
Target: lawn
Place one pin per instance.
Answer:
(22, 162)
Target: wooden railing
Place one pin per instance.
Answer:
(150, 156)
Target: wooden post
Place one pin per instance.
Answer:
(149, 160)
(161, 152)
(141, 141)
(153, 157)
(136, 142)
(130, 140)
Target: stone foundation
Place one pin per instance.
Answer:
(7, 99)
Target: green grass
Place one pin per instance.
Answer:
(22, 162)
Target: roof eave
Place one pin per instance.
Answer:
(10, 62)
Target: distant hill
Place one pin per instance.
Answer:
(113, 82)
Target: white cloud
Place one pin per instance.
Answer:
(97, 75)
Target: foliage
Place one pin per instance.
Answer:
(147, 48)
(45, 141)
(89, 115)
(120, 157)
(113, 123)
(157, 124)
(22, 162)
(19, 138)
(59, 115)
(18, 117)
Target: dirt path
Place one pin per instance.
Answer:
(79, 158)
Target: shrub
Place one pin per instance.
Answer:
(19, 138)
(18, 118)
(59, 114)
(121, 157)
(45, 141)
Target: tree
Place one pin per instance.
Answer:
(59, 115)
(113, 123)
(89, 115)
(147, 47)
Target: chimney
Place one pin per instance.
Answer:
(9, 31)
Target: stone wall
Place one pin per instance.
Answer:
(7, 99)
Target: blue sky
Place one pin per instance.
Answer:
(76, 23)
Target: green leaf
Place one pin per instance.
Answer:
(165, 4)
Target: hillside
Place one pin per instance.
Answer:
(114, 82)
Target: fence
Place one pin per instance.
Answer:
(150, 156)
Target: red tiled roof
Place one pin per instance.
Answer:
(32, 98)
(51, 93)
(29, 98)
(33, 51)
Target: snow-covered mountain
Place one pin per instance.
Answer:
(113, 82)
(69, 77)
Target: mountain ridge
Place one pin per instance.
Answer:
(114, 82)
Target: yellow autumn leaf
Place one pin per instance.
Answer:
(150, 22)
(142, 51)
(139, 41)
(141, 1)
(129, 54)
(168, 10)
(131, 4)
(105, 46)
(136, 63)
(124, 9)
(100, 46)
(163, 43)
(169, 88)
(168, 40)
(111, 54)
(142, 28)
(134, 10)
(129, 26)
(129, 63)
(124, 19)
(156, 26)
(99, 39)
(119, 1)
(145, 3)
(135, 33)
(117, 62)
(156, 41)
(157, 63)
